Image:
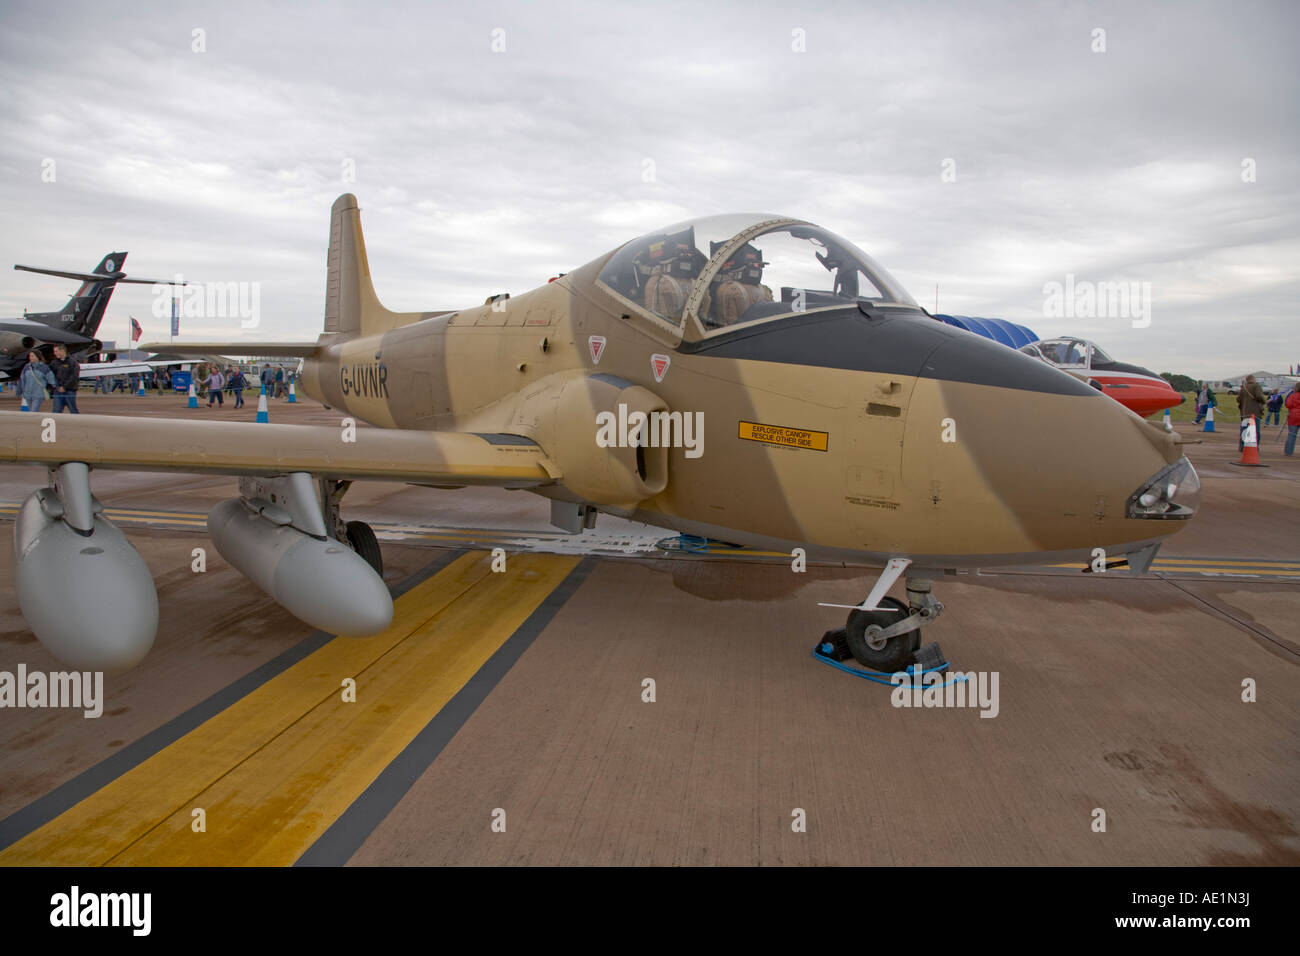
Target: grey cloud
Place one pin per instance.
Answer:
(482, 172)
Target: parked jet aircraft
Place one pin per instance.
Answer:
(1136, 388)
(835, 416)
(75, 325)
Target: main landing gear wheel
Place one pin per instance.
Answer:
(363, 541)
(882, 654)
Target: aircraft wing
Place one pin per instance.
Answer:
(269, 349)
(42, 332)
(249, 448)
(96, 369)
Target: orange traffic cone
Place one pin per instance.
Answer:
(1249, 444)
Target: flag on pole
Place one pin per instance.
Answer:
(176, 315)
(136, 331)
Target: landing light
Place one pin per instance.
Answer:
(1172, 492)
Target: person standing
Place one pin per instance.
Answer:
(1202, 402)
(1250, 401)
(1292, 418)
(36, 375)
(67, 377)
(1274, 414)
(279, 381)
(215, 383)
(237, 384)
(268, 380)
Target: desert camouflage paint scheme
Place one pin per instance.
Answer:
(845, 421)
(1039, 462)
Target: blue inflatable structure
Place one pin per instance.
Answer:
(999, 330)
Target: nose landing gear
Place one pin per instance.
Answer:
(865, 635)
(875, 635)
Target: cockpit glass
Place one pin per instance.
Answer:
(792, 269)
(658, 271)
(787, 269)
(1064, 352)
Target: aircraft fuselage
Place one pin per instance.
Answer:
(852, 432)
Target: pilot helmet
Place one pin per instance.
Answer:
(745, 265)
(672, 254)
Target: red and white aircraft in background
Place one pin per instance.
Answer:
(1137, 389)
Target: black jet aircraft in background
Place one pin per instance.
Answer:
(75, 325)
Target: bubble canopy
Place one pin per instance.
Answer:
(713, 273)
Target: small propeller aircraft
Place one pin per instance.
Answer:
(753, 378)
(1138, 389)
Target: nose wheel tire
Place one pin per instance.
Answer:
(363, 541)
(868, 649)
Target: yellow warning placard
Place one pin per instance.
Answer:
(782, 435)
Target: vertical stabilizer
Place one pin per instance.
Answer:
(351, 306)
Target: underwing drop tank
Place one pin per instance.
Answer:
(84, 590)
(274, 534)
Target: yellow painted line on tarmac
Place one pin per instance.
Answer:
(168, 515)
(182, 515)
(1201, 566)
(1219, 562)
(273, 771)
(159, 522)
(194, 521)
(184, 519)
(1235, 572)
(192, 517)
(469, 534)
(746, 551)
(381, 526)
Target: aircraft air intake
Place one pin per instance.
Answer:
(564, 419)
(12, 343)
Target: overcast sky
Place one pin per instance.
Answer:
(482, 170)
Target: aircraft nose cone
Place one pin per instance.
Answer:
(1072, 467)
(1046, 454)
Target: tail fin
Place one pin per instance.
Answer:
(351, 306)
(85, 308)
